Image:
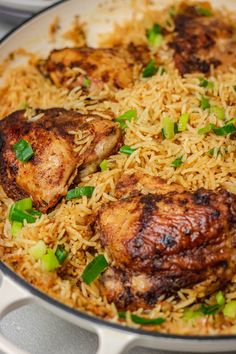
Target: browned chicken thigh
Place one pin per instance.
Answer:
(163, 241)
(88, 67)
(202, 38)
(66, 145)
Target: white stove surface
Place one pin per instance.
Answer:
(36, 330)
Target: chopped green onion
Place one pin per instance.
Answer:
(205, 83)
(168, 127)
(15, 228)
(203, 11)
(190, 314)
(142, 320)
(38, 250)
(151, 69)
(214, 151)
(129, 115)
(25, 105)
(183, 121)
(225, 130)
(34, 212)
(94, 269)
(23, 150)
(104, 165)
(220, 298)
(204, 103)
(162, 70)
(154, 35)
(50, 261)
(86, 82)
(61, 254)
(178, 162)
(80, 192)
(230, 309)
(210, 309)
(24, 204)
(207, 129)
(125, 149)
(231, 121)
(218, 111)
(18, 215)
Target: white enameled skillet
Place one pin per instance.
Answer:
(14, 291)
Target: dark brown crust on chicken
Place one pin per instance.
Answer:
(171, 241)
(201, 41)
(113, 66)
(56, 163)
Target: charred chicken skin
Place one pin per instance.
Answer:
(118, 67)
(202, 38)
(66, 145)
(161, 242)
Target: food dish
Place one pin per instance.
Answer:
(152, 156)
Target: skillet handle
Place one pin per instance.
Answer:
(12, 296)
(114, 341)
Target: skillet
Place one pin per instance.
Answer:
(16, 292)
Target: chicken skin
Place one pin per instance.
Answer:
(163, 241)
(90, 67)
(202, 38)
(66, 145)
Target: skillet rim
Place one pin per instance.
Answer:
(77, 313)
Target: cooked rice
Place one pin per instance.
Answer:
(162, 95)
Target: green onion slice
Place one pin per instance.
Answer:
(214, 151)
(203, 11)
(225, 130)
(15, 228)
(177, 162)
(190, 314)
(230, 309)
(94, 269)
(220, 299)
(142, 320)
(154, 35)
(168, 127)
(34, 212)
(204, 103)
(23, 150)
(18, 215)
(183, 121)
(151, 69)
(24, 204)
(50, 261)
(61, 254)
(86, 82)
(80, 192)
(104, 165)
(210, 309)
(125, 149)
(129, 115)
(38, 250)
(218, 111)
(208, 128)
(231, 121)
(205, 83)
(24, 105)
